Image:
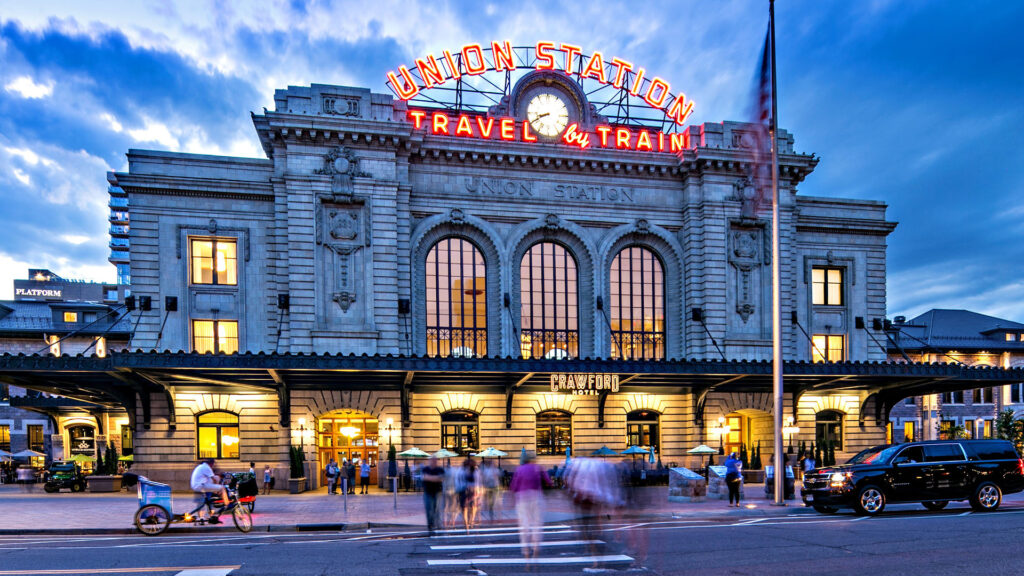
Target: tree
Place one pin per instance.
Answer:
(1009, 428)
(817, 453)
(110, 465)
(831, 453)
(296, 460)
(743, 457)
(755, 462)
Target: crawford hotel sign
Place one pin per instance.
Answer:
(550, 115)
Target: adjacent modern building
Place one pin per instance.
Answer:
(958, 337)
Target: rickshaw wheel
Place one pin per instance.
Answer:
(252, 506)
(152, 519)
(243, 521)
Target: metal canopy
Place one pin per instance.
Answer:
(116, 380)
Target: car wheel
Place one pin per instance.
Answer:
(936, 506)
(870, 500)
(825, 509)
(987, 497)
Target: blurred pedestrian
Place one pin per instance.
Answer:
(268, 479)
(467, 492)
(526, 486)
(733, 478)
(433, 484)
(350, 474)
(490, 480)
(364, 476)
(332, 472)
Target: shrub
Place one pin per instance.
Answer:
(296, 459)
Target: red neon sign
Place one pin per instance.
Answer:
(472, 60)
(481, 127)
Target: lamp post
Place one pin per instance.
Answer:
(302, 434)
(721, 430)
(789, 429)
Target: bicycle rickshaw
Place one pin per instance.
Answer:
(155, 515)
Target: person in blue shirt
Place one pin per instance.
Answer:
(733, 468)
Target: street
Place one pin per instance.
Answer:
(907, 540)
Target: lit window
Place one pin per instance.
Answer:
(5, 437)
(908, 431)
(828, 426)
(828, 348)
(554, 432)
(456, 282)
(1010, 337)
(35, 438)
(549, 313)
(101, 346)
(642, 429)
(637, 291)
(215, 336)
(460, 431)
(214, 262)
(217, 435)
(54, 341)
(71, 316)
(827, 286)
(127, 442)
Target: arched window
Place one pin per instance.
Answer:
(642, 429)
(549, 303)
(554, 432)
(217, 434)
(456, 299)
(637, 285)
(828, 426)
(460, 431)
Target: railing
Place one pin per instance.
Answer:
(635, 345)
(457, 342)
(549, 344)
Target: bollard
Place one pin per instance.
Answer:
(394, 488)
(344, 492)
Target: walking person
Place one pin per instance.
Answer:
(526, 487)
(350, 473)
(268, 479)
(467, 493)
(433, 483)
(733, 478)
(489, 480)
(364, 476)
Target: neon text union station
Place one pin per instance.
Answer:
(371, 282)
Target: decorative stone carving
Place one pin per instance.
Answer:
(746, 193)
(212, 227)
(642, 226)
(344, 299)
(745, 255)
(344, 224)
(551, 221)
(341, 106)
(342, 165)
(457, 216)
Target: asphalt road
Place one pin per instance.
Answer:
(954, 541)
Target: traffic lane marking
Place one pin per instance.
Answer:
(532, 561)
(515, 545)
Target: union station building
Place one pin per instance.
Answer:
(388, 274)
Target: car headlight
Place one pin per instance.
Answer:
(839, 479)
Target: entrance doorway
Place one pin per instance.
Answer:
(347, 435)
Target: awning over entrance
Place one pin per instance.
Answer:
(119, 379)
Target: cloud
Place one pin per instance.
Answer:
(25, 87)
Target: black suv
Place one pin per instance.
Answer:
(932, 473)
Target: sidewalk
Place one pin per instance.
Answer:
(34, 511)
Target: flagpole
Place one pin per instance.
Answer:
(780, 471)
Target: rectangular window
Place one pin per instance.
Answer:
(1010, 337)
(35, 438)
(828, 348)
(947, 430)
(71, 316)
(983, 396)
(1017, 393)
(953, 397)
(214, 261)
(910, 401)
(908, 431)
(5, 437)
(215, 336)
(827, 286)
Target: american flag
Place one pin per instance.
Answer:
(761, 121)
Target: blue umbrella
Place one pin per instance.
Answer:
(522, 456)
(568, 455)
(605, 451)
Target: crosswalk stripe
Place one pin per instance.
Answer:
(514, 545)
(515, 561)
(497, 529)
(205, 572)
(502, 535)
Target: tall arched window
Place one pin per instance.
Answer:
(828, 426)
(217, 434)
(554, 432)
(549, 303)
(456, 299)
(637, 305)
(460, 431)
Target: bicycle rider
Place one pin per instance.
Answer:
(205, 479)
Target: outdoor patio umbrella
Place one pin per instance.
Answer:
(413, 452)
(633, 451)
(80, 459)
(604, 451)
(702, 450)
(127, 458)
(28, 454)
(492, 452)
(5, 454)
(446, 454)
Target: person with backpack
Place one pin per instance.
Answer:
(332, 476)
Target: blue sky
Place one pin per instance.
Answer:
(911, 102)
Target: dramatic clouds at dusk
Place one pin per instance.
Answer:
(916, 104)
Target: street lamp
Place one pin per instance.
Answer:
(721, 430)
(789, 429)
(302, 434)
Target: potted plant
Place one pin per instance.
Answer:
(105, 477)
(297, 478)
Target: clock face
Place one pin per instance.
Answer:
(547, 114)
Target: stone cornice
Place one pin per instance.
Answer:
(839, 225)
(275, 128)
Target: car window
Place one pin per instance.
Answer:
(994, 450)
(942, 453)
(869, 456)
(912, 454)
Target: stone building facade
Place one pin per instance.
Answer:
(333, 244)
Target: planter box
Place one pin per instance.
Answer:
(104, 483)
(753, 476)
(296, 485)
